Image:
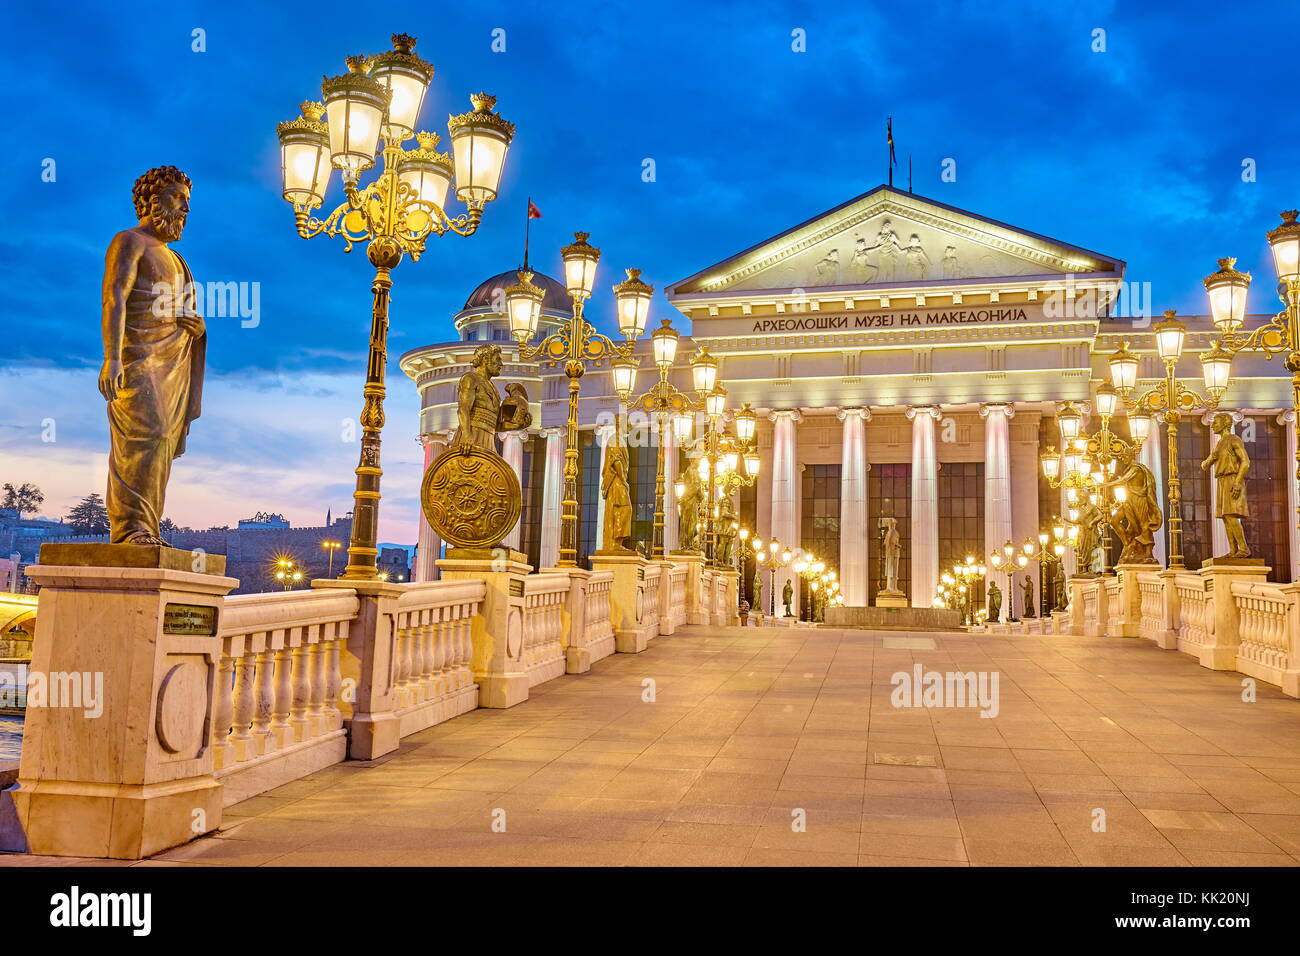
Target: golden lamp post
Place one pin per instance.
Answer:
(379, 98)
(720, 453)
(666, 403)
(287, 573)
(1086, 462)
(575, 344)
(1281, 334)
(1173, 398)
(774, 558)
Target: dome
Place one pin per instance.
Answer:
(557, 297)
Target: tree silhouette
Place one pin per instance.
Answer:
(24, 499)
(89, 516)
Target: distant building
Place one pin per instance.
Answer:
(395, 562)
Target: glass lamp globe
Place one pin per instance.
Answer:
(580, 258)
(305, 157)
(1227, 290)
(664, 340)
(355, 104)
(1285, 243)
(479, 142)
(632, 299)
(406, 78)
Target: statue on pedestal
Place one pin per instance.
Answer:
(1062, 590)
(893, 553)
(470, 494)
(995, 602)
(1230, 463)
(689, 510)
(758, 588)
(1088, 549)
(616, 492)
(154, 347)
(787, 595)
(724, 534)
(1027, 586)
(1137, 517)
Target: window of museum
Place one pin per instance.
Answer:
(961, 515)
(588, 497)
(748, 516)
(533, 469)
(1268, 527)
(1193, 447)
(819, 520)
(644, 467)
(889, 495)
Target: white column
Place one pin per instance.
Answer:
(604, 432)
(512, 450)
(997, 474)
(552, 497)
(1288, 419)
(428, 544)
(1218, 533)
(785, 491)
(672, 529)
(1152, 455)
(925, 505)
(854, 533)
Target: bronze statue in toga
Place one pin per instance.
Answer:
(154, 347)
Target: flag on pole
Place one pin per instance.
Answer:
(889, 138)
(533, 211)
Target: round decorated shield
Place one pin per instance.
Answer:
(472, 499)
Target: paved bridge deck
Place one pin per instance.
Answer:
(749, 726)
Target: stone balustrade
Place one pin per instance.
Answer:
(1226, 615)
(544, 600)
(286, 683)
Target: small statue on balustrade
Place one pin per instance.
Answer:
(1137, 517)
(787, 596)
(689, 510)
(758, 588)
(617, 494)
(1230, 463)
(724, 535)
(995, 603)
(1088, 548)
(1027, 586)
(1062, 591)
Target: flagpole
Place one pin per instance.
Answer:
(889, 148)
(528, 222)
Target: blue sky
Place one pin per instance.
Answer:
(1135, 152)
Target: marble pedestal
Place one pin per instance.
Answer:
(498, 632)
(1126, 614)
(130, 773)
(886, 598)
(667, 622)
(633, 626)
(1219, 574)
(729, 614)
(697, 611)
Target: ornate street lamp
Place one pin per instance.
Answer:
(665, 402)
(1281, 334)
(575, 345)
(1171, 398)
(379, 99)
(330, 547)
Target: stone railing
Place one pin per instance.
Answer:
(650, 597)
(543, 648)
(677, 595)
(1194, 613)
(276, 715)
(598, 629)
(1270, 633)
(1151, 595)
(433, 679)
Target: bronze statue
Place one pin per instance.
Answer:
(1231, 463)
(154, 347)
(892, 550)
(787, 595)
(758, 589)
(724, 535)
(616, 492)
(689, 510)
(995, 602)
(1027, 586)
(1137, 517)
(1088, 548)
(480, 413)
(1062, 591)
(470, 495)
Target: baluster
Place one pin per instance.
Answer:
(301, 690)
(333, 677)
(264, 698)
(242, 737)
(316, 712)
(440, 652)
(464, 649)
(283, 693)
(225, 710)
(416, 641)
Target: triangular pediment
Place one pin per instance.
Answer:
(887, 238)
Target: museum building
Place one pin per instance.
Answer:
(907, 359)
